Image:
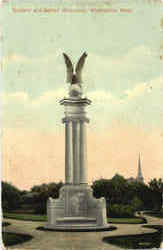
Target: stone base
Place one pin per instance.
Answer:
(76, 209)
(85, 228)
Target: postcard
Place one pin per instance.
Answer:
(82, 136)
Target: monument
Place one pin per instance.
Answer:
(76, 208)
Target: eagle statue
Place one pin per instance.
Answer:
(75, 78)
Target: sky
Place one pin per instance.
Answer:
(122, 76)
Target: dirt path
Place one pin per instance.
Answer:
(48, 240)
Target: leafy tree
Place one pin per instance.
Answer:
(142, 192)
(119, 191)
(156, 186)
(113, 189)
(42, 193)
(11, 197)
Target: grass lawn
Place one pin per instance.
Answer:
(32, 217)
(135, 220)
(10, 239)
(29, 217)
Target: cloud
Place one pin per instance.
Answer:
(134, 57)
(49, 96)
(13, 57)
(113, 74)
(102, 96)
(99, 95)
(136, 91)
(119, 73)
(16, 97)
(23, 58)
(129, 59)
(23, 97)
(142, 88)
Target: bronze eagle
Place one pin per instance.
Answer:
(76, 77)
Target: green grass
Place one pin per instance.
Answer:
(29, 217)
(135, 220)
(10, 239)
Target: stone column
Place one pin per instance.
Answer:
(75, 140)
(83, 153)
(68, 152)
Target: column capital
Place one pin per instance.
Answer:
(75, 119)
(75, 101)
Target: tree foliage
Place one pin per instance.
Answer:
(11, 197)
(122, 196)
(118, 190)
(120, 211)
(42, 193)
(156, 187)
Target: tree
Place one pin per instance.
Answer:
(156, 186)
(42, 193)
(142, 192)
(112, 189)
(119, 191)
(11, 197)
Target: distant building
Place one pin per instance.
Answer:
(140, 175)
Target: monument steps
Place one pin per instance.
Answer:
(76, 225)
(76, 221)
(79, 228)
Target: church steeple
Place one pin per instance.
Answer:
(140, 176)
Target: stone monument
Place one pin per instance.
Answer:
(76, 208)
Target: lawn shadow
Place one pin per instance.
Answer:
(138, 241)
(10, 239)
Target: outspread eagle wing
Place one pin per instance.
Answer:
(69, 67)
(79, 67)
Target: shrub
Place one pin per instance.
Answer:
(120, 211)
(136, 203)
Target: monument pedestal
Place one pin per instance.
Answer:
(76, 208)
